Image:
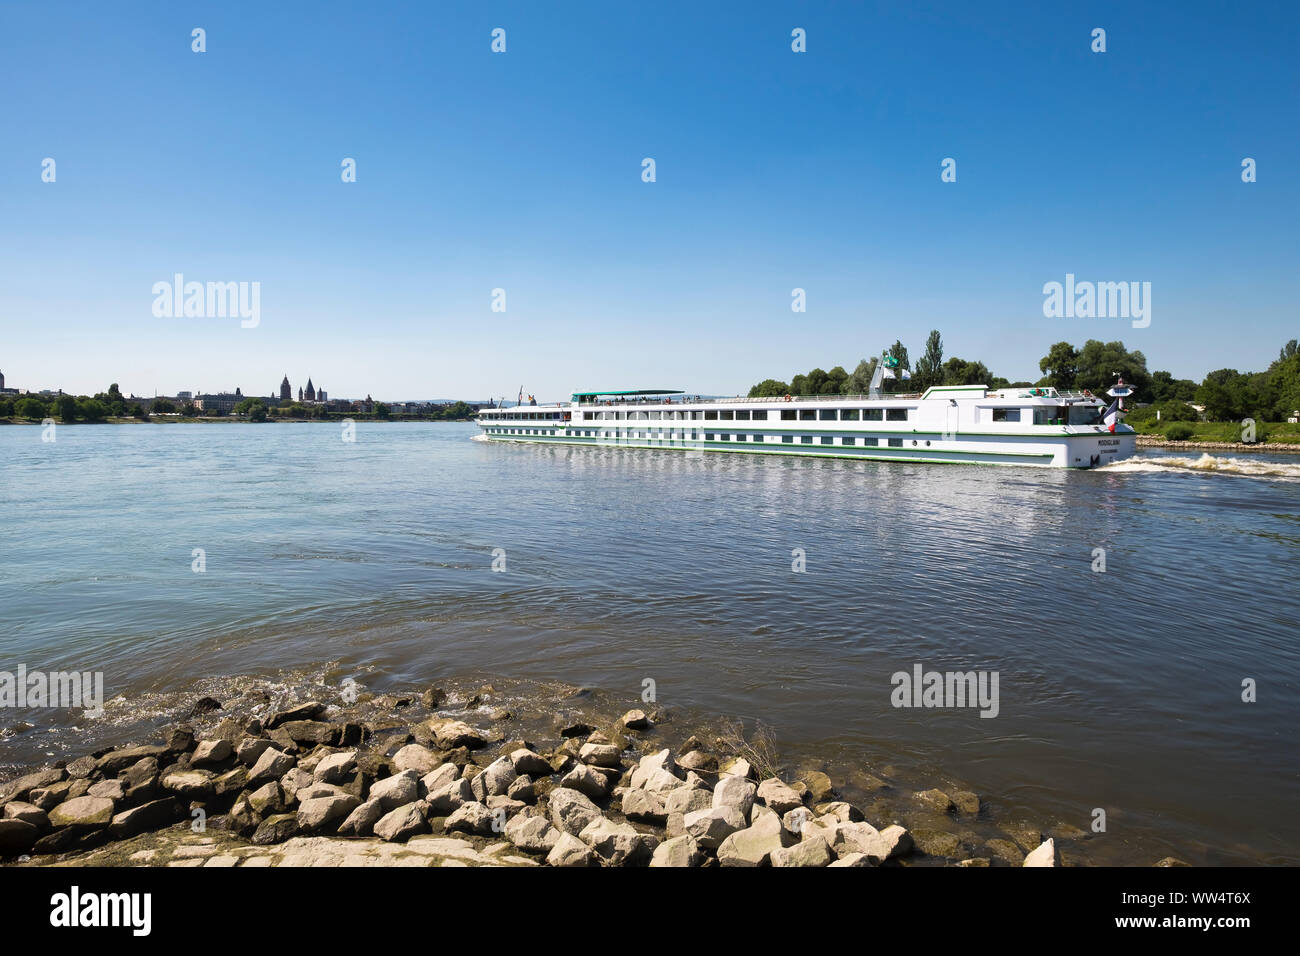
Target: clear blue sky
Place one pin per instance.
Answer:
(522, 171)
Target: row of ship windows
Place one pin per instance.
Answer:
(707, 436)
(759, 415)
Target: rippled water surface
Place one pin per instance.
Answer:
(1120, 690)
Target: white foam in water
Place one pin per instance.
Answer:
(1241, 467)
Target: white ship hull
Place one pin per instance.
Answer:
(967, 425)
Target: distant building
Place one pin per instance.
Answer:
(6, 391)
(185, 396)
(219, 402)
(311, 392)
(286, 393)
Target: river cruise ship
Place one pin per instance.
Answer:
(949, 424)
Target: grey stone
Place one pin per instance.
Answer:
(680, 851)
(272, 765)
(570, 851)
(571, 811)
(710, 827)
(398, 826)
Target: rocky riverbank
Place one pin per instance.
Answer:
(1155, 441)
(438, 779)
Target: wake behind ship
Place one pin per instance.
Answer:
(951, 424)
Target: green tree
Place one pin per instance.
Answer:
(30, 407)
(860, 381)
(898, 351)
(163, 407)
(67, 408)
(769, 388)
(958, 371)
(1060, 366)
(137, 411)
(929, 367)
(91, 409)
(1101, 362)
(836, 379)
(381, 410)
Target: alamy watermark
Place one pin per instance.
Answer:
(63, 689)
(1098, 300)
(922, 688)
(211, 300)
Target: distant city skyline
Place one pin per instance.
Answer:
(135, 167)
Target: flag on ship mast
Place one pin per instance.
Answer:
(1110, 417)
(906, 374)
(889, 373)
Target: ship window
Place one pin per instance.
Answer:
(708, 436)
(654, 415)
(873, 442)
(1006, 414)
(873, 414)
(788, 439)
(895, 443)
(740, 437)
(849, 414)
(711, 416)
(759, 438)
(805, 439)
(829, 414)
(742, 415)
(728, 416)
(697, 415)
(848, 441)
(787, 415)
(760, 415)
(896, 415)
(828, 440)
(807, 415)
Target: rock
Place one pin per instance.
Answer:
(698, 760)
(336, 768)
(81, 768)
(692, 743)
(140, 782)
(812, 852)
(416, 757)
(685, 800)
(618, 844)
(272, 765)
(314, 791)
(211, 752)
(498, 776)
(306, 711)
(83, 813)
(586, 780)
(527, 762)
(312, 732)
(655, 766)
(450, 797)
(1005, 850)
(267, 799)
(276, 829)
(735, 791)
(113, 790)
(205, 705)
(896, 841)
(17, 837)
(455, 733)
(189, 784)
(576, 730)
(936, 800)
(398, 826)
(570, 851)
(1045, 855)
(753, 846)
(839, 810)
(438, 778)
(433, 698)
(967, 803)
(737, 767)
(778, 795)
(794, 821)
(20, 788)
(600, 755)
(471, 817)
(323, 814)
(531, 832)
(250, 749)
(395, 791)
(28, 813)
(361, 821)
(710, 827)
(282, 741)
(571, 811)
(818, 786)
(854, 859)
(1170, 861)
(148, 816)
(522, 789)
(47, 798)
(644, 806)
(114, 762)
(681, 851)
(242, 818)
(292, 782)
(180, 739)
(937, 843)
(635, 720)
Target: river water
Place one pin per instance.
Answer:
(321, 558)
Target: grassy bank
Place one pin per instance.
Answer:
(1283, 433)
